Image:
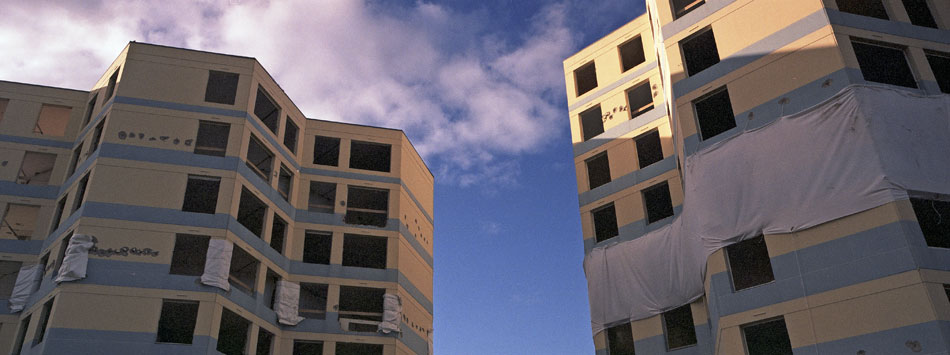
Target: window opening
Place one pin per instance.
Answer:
(620, 340)
(302, 347)
(36, 169)
(53, 120)
(883, 64)
(176, 324)
(871, 8)
(188, 256)
(700, 51)
(285, 179)
(43, 322)
(714, 114)
(201, 194)
(21, 334)
(212, 138)
(290, 135)
(278, 233)
(767, 338)
(326, 151)
(232, 336)
(63, 244)
(605, 223)
(58, 215)
(243, 271)
(934, 219)
(919, 13)
(683, 7)
(586, 78)
(266, 110)
(317, 247)
(658, 203)
(19, 221)
(74, 162)
(367, 206)
(80, 193)
(749, 263)
(631, 53)
(364, 251)
(97, 135)
(598, 170)
(251, 212)
(680, 330)
(640, 99)
(364, 303)
(322, 197)
(3, 107)
(9, 271)
(90, 109)
(265, 341)
(110, 89)
(222, 87)
(940, 65)
(313, 300)
(259, 159)
(592, 122)
(370, 156)
(649, 149)
(270, 288)
(358, 349)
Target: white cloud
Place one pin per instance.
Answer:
(470, 103)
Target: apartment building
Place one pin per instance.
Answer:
(186, 205)
(655, 103)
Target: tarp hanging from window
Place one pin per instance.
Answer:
(218, 264)
(287, 305)
(73, 266)
(864, 147)
(26, 281)
(392, 314)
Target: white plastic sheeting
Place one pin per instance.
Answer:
(862, 148)
(392, 314)
(218, 264)
(287, 304)
(73, 266)
(26, 280)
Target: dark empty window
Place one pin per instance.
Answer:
(313, 300)
(36, 168)
(290, 135)
(201, 194)
(640, 99)
(631, 53)
(658, 203)
(308, 347)
(680, 331)
(74, 162)
(683, 7)
(592, 122)
(110, 89)
(266, 110)
(767, 338)
(358, 349)
(188, 257)
(620, 340)
(58, 215)
(749, 263)
(80, 192)
(90, 109)
(919, 13)
(43, 322)
(367, 206)
(714, 114)
(364, 251)
(872, 8)
(370, 156)
(222, 87)
(232, 336)
(265, 341)
(322, 196)
(883, 64)
(63, 244)
(700, 52)
(361, 303)
(21, 335)
(316, 247)
(212, 138)
(940, 65)
(9, 271)
(259, 159)
(326, 151)
(285, 179)
(278, 232)
(946, 289)
(598, 170)
(251, 212)
(649, 149)
(243, 271)
(585, 78)
(97, 136)
(934, 219)
(605, 223)
(270, 288)
(177, 321)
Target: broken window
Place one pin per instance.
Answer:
(232, 336)
(370, 156)
(285, 179)
(278, 232)
(871, 8)
(53, 120)
(9, 271)
(58, 214)
(620, 340)
(270, 288)
(940, 65)
(313, 300)
(317, 246)
(266, 110)
(36, 168)
(598, 170)
(358, 349)
(749, 263)
(222, 87)
(934, 219)
(19, 221)
(362, 303)
(585, 78)
(883, 64)
(43, 322)
(592, 123)
(74, 161)
(700, 51)
(680, 331)
(302, 347)
(90, 109)
(188, 256)
(367, 206)
(919, 13)
(265, 341)
(714, 114)
(201, 194)
(176, 324)
(649, 149)
(683, 7)
(97, 135)
(259, 159)
(290, 135)
(605, 223)
(658, 203)
(322, 196)
(110, 89)
(326, 151)
(364, 251)
(80, 192)
(631, 53)
(212, 138)
(251, 212)
(640, 99)
(243, 271)
(767, 338)
(21, 334)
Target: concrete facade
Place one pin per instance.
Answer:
(867, 283)
(127, 162)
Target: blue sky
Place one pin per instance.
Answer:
(477, 85)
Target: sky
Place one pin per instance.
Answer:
(478, 87)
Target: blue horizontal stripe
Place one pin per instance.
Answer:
(629, 180)
(644, 68)
(658, 112)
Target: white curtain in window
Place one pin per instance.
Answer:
(73, 266)
(218, 264)
(392, 313)
(26, 281)
(288, 303)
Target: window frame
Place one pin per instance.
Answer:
(188, 261)
(666, 328)
(177, 313)
(687, 8)
(914, 76)
(616, 224)
(224, 79)
(577, 83)
(276, 113)
(595, 160)
(255, 166)
(642, 109)
(209, 149)
(626, 44)
(189, 185)
(732, 268)
(696, 112)
(646, 203)
(335, 161)
(683, 43)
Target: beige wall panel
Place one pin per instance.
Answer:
(416, 270)
(623, 158)
(799, 326)
(745, 25)
(130, 314)
(893, 308)
(648, 327)
(117, 238)
(176, 81)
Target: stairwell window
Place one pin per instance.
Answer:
(631, 53)
(700, 51)
(933, 216)
(714, 114)
(259, 159)
(657, 202)
(265, 341)
(749, 263)
(598, 170)
(266, 110)
(605, 222)
(592, 122)
(585, 78)
(767, 338)
(883, 63)
(222, 87)
(620, 340)
(212, 138)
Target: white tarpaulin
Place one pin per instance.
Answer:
(392, 314)
(860, 149)
(26, 281)
(218, 264)
(73, 266)
(288, 303)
